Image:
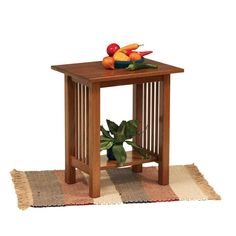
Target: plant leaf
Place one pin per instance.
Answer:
(113, 127)
(103, 138)
(131, 128)
(142, 151)
(119, 153)
(120, 134)
(119, 138)
(105, 132)
(104, 145)
(121, 128)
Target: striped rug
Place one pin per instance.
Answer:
(118, 186)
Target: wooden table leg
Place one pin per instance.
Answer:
(137, 115)
(94, 140)
(70, 128)
(163, 177)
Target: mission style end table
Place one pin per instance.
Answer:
(151, 108)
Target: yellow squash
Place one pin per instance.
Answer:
(120, 56)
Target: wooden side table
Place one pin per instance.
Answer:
(151, 107)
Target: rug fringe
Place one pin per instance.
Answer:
(22, 188)
(202, 183)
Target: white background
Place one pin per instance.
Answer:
(196, 35)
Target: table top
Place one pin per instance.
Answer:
(93, 72)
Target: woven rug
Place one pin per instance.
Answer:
(118, 186)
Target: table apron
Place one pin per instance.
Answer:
(140, 80)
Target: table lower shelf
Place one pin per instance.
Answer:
(133, 158)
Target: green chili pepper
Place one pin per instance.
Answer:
(137, 66)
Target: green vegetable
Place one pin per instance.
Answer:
(137, 66)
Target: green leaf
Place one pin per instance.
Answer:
(103, 138)
(105, 132)
(121, 128)
(131, 128)
(104, 145)
(142, 151)
(119, 136)
(133, 123)
(119, 153)
(113, 127)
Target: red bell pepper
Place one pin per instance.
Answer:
(144, 53)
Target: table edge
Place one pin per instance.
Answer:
(114, 78)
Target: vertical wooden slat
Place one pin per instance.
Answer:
(137, 115)
(145, 116)
(94, 140)
(153, 128)
(87, 125)
(149, 116)
(70, 112)
(163, 172)
(84, 117)
(83, 134)
(80, 121)
(78, 115)
(76, 120)
(142, 114)
(157, 119)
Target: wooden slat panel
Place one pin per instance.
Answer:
(83, 122)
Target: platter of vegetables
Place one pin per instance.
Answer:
(126, 57)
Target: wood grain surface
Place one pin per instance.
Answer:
(94, 72)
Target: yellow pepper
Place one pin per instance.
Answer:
(120, 56)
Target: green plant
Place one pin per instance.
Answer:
(117, 135)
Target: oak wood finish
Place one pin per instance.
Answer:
(94, 140)
(83, 124)
(79, 164)
(87, 125)
(70, 126)
(148, 115)
(93, 72)
(157, 106)
(151, 107)
(76, 120)
(79, 121)
(163, 173)
(152, 119)
(137, 115)
(133, 159)
(144, 115)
